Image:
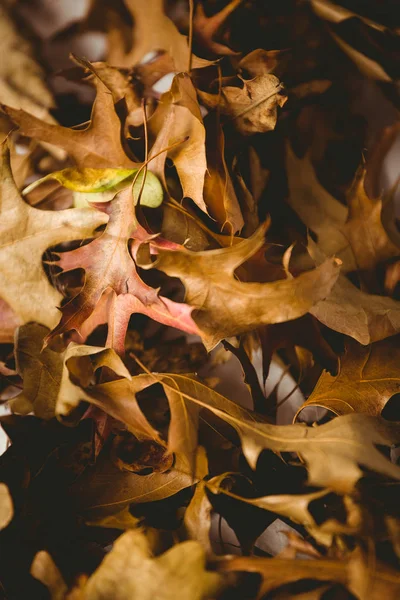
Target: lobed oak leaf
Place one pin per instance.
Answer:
(113, 289)
(227, 306)
(25, 234)
(252, 108)
(368, 377)
(96, 146)
(355, 234)
(130, 571)
(345, 442)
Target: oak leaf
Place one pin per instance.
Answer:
(345, 442)
(113, 289)
(368, 377)
(130, 571)
(98, 145)
(227, 306)
(25, 234)
(354, 234)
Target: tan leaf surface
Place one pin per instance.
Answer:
(367, 378)
(25, 234)
(365, 317)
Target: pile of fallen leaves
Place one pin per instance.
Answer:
(217, 218)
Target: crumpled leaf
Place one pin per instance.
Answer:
(25, 234)
(130, 571)
(109, 267)
(252, 108)
(368, 377)
(6, 506)
(96, 146)
(227, 306)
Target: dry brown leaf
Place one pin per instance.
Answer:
(227, 306)
(113, 289)
(355, 234)
(252, 108)
(98, 145)
(344, 443)
(25, 234)
(129, 571)
(368, 377)
(365, 317)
